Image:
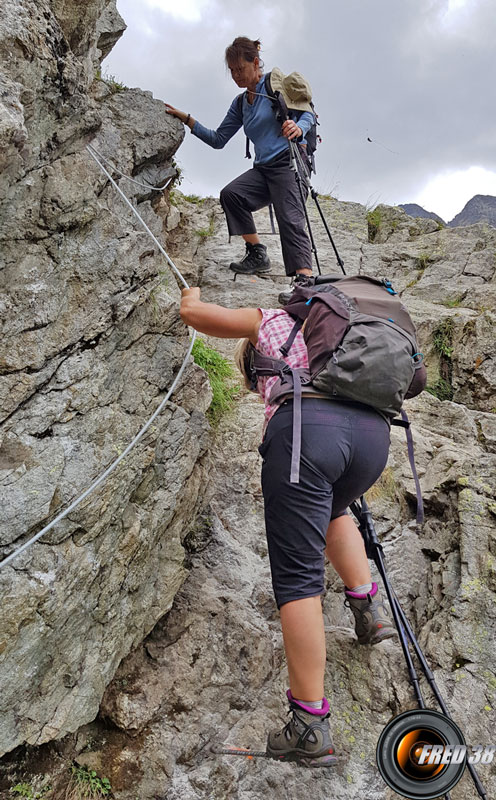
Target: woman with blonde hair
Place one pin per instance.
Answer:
(344, 448)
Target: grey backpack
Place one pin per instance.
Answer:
(361, 346)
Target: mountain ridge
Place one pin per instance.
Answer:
(480, 208)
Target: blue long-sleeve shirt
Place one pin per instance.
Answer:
(259, 123)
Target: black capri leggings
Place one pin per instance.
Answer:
(344, 448)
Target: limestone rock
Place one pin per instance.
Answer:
(151, 602)
(91, 341)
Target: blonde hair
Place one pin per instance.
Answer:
(240, 359)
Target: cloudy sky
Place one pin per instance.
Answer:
(417, 77)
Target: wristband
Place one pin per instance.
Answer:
(187, 119)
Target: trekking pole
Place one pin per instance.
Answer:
(282, 115)
(375, 551)
(315, 197)
(435, 689)
(294, 166)
(338, 257)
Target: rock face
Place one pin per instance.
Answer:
(152, 601)
(213, 668)
(481, 208)
(414, 210)
(91, 340)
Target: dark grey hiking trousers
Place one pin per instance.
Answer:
(272, 183)
(344, 448)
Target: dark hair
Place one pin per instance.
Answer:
(242, 49)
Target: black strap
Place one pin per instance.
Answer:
(240, 110)
(400, 423)
(268, 86)
(286, 347)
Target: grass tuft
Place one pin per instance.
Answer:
(27, 791)
(114, 85)
(374, 221)
(443, 338)
(194, 198)
(85, 783)
(220, 373)
(385, 487)
(205, 232)
(440, 389)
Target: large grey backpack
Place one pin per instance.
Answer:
(360, 338)
(361, 346)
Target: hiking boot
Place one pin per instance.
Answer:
(255, 261)
(306, 738)
(372, 622)
(298, 280)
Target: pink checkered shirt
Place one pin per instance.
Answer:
(274, 330)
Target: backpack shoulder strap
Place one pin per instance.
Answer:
(239, 102)
(240, 109)
(268, 85)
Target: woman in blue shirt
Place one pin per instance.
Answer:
(271, 180)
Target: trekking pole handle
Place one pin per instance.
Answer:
(282, 112)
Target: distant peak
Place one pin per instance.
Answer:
(414, 210)
(481, 208)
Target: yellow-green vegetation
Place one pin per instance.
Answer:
(471, 588)
(177, 180)
(415, 280)
(465, 500)
(440, 389)
(374, 221)
(443, 344)
(491, 679)
(443, 338)
(85, 783)
(111, 81)
(27, 791)
(385, 488)
(204, 232)
(220, 374)
(423, 261)
(194, 198)
(455, 302)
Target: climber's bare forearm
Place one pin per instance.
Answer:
(215, 320)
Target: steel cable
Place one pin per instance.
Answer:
(145, 427)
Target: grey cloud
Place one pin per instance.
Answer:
(392, 71)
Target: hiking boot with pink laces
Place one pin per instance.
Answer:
(372, 621)
(306, 738)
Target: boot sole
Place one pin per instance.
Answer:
(260, 271)
(304, 760)
(379, 637)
